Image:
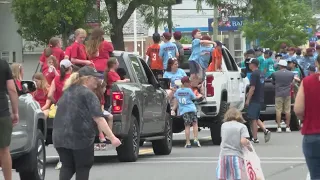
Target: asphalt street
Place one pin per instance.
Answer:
(281, 159)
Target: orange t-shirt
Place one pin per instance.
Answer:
(153, 53)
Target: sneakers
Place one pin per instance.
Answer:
(288, 130)
(197, 143)
(187, 146)
(267, 136)
(279, 130)
(58, 166)
(255, 140)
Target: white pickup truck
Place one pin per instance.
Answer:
(222, 90)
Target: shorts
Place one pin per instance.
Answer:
(189, 118)
(157, 73)
(194, 67)
(283, 104)
(253, 111)
(5, 131)
(230, 167)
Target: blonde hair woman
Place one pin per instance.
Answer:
(41, 94)
(98, 49)
(78, 53)
(78, 113)
(17, 74)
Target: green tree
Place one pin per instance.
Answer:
(39, 20)
(289, 27)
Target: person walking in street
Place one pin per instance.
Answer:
(153, 58)
(254, 100)
(75, 124)
(283, 80)
(7, 120)
(306, 107)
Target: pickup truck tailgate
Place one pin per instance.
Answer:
(269, 93)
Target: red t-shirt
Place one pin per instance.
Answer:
(101, 60)
(41, 96)
(102, 101)
(78, 51)
(311, 121)
(50, 76)
(56, 52)
(18, 83)
(155, 60)
(59, 86)
(67, 52)
(112, 77)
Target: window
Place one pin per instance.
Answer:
(233, 64)
(151, 78)
(226, 60)
(122, 68)
(138, 69)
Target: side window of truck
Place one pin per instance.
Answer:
(226, 60)
(233, 63)
(138, 69)
(151, 78)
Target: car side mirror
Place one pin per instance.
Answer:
(243, 75)
(164, 83)
(28, 86)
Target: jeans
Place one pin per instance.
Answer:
(77, 162)
(311, 151)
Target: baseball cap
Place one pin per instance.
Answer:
(254, 61)
(292, 49)
(250, 51)
(65, 63)
(258, 49)
(185, 79)
(269, 52)
(89, 71)
(167, 35)
(309, 50)
(177, 35)
(283, 63)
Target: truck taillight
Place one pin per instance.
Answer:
(210, 88)
(117, 101)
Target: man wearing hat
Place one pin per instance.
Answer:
(269, 63)
(283, 80)
(259, 56)
(254, 100)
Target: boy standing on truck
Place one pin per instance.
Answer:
(167, 49)
(187, 109)
(153, 58)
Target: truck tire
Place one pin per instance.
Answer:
(295, 123)
(129, 150)
(177, 124)
(37, 160)
(215, 128)
(164, 146)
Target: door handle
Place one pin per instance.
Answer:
(231, 78)
(238, 78)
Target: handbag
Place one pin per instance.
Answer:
(252, 164)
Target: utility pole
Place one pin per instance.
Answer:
(215, 23)
(156, 19)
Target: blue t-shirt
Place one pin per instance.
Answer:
(167, 50)
(179, 74)
(185, 97)
(306, 62)
(205, 56)
(195, 55)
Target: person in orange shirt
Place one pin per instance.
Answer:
(156, 64)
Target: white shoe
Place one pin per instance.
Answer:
(279, 130)
(288, 130)
(58, 166)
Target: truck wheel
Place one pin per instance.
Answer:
(37, 160)
(215, 128)
(295, 122)
(129, 150)
(164, 146)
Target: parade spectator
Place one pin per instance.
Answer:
(153, 58)
(57, 84)
(306, 107)
(259, 56)
(173, 73)
(283, 51)
(291, 54)
(53, 69)
(177, 35)
(283, 79)
(98, 50)
(17, 74)
(78, 53)
(293, 67)
(250, 54)
(7, 119)
(308, 60)
(111, 76)
(242, 64)
(312, 70)
(53, 49)
(299, 55)
(234, 136)
(67, 52)
(185, 107)
(254, 100)
(167, 49)
(269, 63)
(78, 114)
(317, 52)
(41, 94)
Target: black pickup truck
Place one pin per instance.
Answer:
(141, 111)
(268, 111)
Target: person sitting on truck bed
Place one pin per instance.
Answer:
(173, 73)
(153, 58)
(111, 76)
(187, 109)
(41, 94)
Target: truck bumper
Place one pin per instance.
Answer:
(207, 110)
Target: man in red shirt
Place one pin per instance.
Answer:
(156, 64)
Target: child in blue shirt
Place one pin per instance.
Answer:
(187, 109)
(167, 49)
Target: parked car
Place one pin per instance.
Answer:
(28, 137)
(222, 90)
(140, 109)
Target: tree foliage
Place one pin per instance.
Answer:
(39, 20)
(289, 27)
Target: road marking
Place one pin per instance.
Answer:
(145, 151)
(216, 158)
(213, 162)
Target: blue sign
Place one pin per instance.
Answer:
(227, 24)
(313, 39)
